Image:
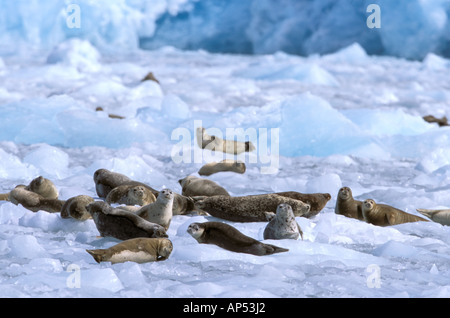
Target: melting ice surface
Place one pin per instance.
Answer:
(341, 119)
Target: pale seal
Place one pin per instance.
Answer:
(316, 201)
(193, 186)
(222, 166)
(229, 238)
(138, 250)
(44, 187)
(347, 206)
(33, 201)
(131, 195)
(75, 207)
(439, 216)
(283, 225)
(215, 143)
(251, 208)
(106, 180)
(160, 211)
(121, 224)
(384, 215)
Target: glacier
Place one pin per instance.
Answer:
(408, 28)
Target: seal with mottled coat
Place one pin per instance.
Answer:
(283, 225)
(385, 215)
(138, 250)
(229, 238)
(251, 208)
(121, 224)
(316, 201)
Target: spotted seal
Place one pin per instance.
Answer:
(283, 225)
(251, 208)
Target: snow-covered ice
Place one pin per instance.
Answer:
(319, 122)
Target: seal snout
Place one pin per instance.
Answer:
(368, 204)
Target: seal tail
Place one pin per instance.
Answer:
(96, 254)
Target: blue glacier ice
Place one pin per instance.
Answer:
(408, 28)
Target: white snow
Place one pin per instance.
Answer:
(329, 136)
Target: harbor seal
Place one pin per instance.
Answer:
(440, 121)
(33, 201)
(231, 239)
(251, 208)
(316, 201)
(121, 224)
(44, 187)
(222, 166)
(384, 215)
(193, 186)
(106, 180)
(215, 143)
(283, 225)
(131, 195)
(439, 216)
(139, 250)
(160, 211)
(150, 77)
(347, 206)
(75, 207)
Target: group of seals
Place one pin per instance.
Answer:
(106, 181)
(370, 211)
